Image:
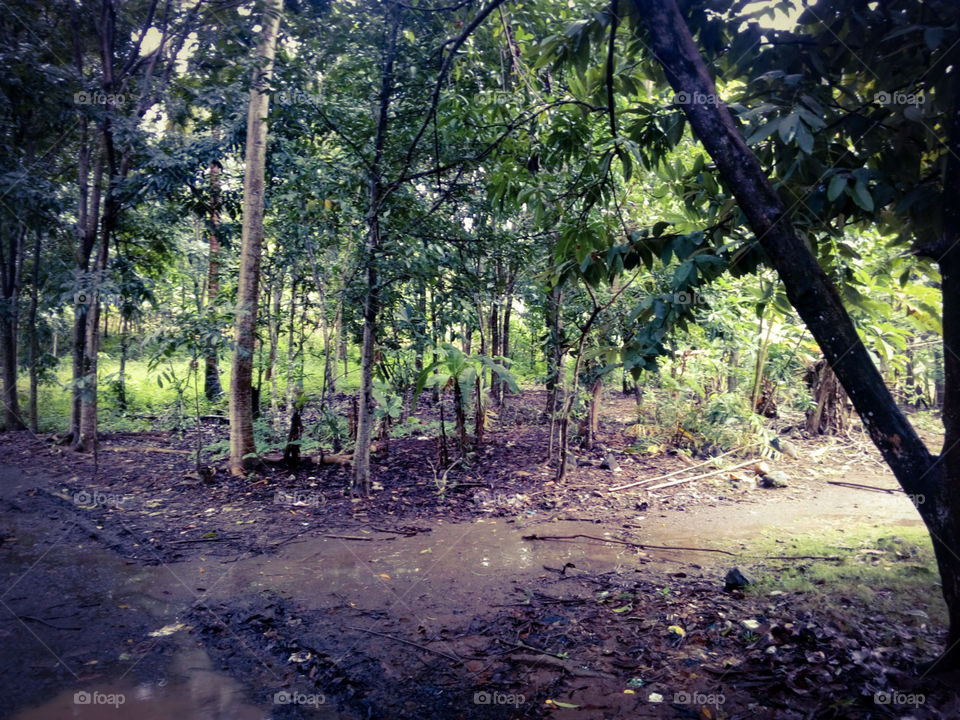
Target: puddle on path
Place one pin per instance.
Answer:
(466, 566)
(190, 690)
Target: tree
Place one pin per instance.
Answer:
(242, 443)
(819, 304)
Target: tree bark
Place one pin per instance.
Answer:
(554, 349)
(242, 443)
(34, 417)
(212, 388)
(930, 480)
(371, 305)
(11, 264)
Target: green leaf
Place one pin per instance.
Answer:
(861, 196)
(804, 139)
(837, 184)
(764, 132)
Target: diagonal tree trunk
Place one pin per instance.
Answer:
(242, 444)
(930, 480)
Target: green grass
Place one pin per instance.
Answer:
(147, 396)
(888, 571)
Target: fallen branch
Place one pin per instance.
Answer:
(628, 544)
(858, 486)
(700, 477)
(406, 642)
(31, 618)
(670, 474)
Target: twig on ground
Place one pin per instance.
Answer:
(670, 474)
(405, 642)
(628, 544)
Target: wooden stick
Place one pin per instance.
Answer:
(624, 542)
(858, 486)
(670, 474)
(700, 477)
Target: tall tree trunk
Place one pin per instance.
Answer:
(505, 337)
(87, 440)
(593, 413)
(328, 369)
(242, 443)
(122, 372)
(34, 421)
(11, 265)
(494, 351)
(931, 480)
(291, 388)
(212, 388)
(88, 221)
(371, 304)
(273, 330)
(554, 349)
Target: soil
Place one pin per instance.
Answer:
(495, 593)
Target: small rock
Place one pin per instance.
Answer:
(789, 449)
(736, 579)
(775, 479)
(751, 625)
(655, 698)
(610, 463)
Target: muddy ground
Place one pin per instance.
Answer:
(135, 586)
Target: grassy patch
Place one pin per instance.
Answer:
(880, 575)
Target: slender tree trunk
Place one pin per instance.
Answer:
(732, 381)
(122, 372)
(88, 222)
(554, 349)
(242, 443)
(371, 305)
(593, 413)
(291, 388)
(34, 421)
(273, 329)
(328, 368)
(494, 351)
(505, 339)
(11, 263)
(212, 388)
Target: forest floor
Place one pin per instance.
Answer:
(134, 585)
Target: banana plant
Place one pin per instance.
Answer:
(461, 373)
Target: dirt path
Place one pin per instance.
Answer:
(388, 625)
